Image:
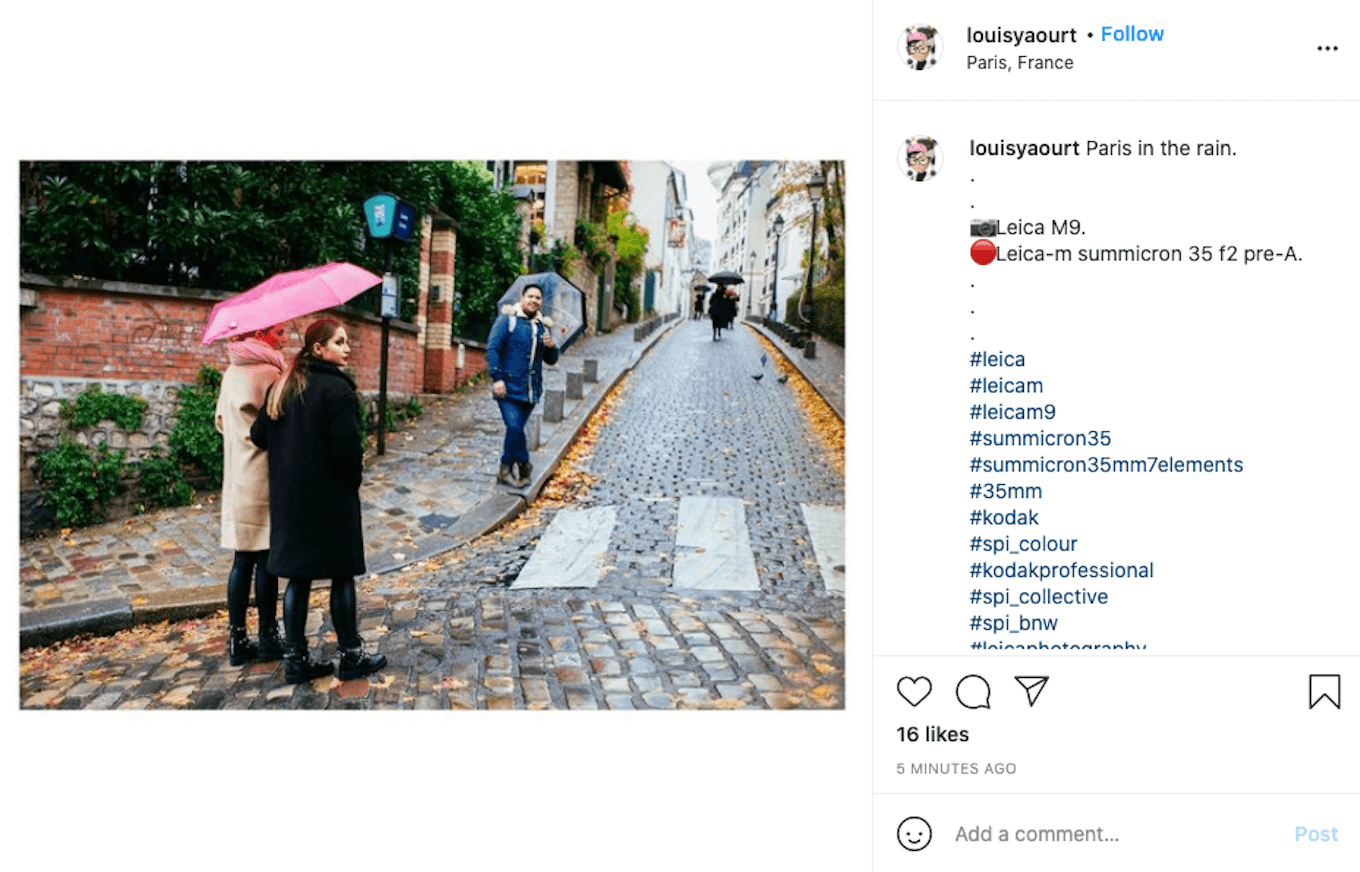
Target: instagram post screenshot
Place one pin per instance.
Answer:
(868, 437)
(1112, 619)
(432, 431)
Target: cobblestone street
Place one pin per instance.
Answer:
(470, 629)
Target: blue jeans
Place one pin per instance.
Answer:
(516, 415)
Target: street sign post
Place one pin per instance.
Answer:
(389, 217)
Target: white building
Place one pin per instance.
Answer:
(752, 194)
(558, 195)
(659, 200)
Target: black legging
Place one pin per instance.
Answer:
(344, 611)
(243, 565)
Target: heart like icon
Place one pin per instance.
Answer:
(913, 690)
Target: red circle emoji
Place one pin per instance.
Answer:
(983, 252)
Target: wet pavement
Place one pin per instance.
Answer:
(433, 489)
(690, 443)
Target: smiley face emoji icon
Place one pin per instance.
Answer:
(913, 833)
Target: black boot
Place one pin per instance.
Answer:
(356, 663)
(298, 665)
(240, 649)
(526, 471)
(506, 476)
(271, 646)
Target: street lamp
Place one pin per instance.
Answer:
(774, 285)
(815, 185)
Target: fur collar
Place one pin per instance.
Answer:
(515, 311)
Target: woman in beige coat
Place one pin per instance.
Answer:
(255, 364)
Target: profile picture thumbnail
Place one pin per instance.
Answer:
(919, 158)
(919, 46)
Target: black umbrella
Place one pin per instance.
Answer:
(727, 277)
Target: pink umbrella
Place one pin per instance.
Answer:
(285, 296)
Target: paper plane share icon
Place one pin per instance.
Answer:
(1033, 685)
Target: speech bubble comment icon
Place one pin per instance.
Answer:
(914, 833)
(974, 692)
(913, 690)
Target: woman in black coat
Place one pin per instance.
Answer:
(722, 310)
(311, 431)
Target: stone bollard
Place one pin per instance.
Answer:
(575, 386)
(590, 367)
(552, 405)
(531, 431)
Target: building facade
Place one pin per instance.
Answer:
(565, 203)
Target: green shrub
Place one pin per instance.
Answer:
(161, 483)
(78, 484)
(195, 441)
(94, 406)
(828, 303)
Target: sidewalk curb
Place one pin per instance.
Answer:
(506, 505)
(45, 626)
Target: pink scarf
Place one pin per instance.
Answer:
(250, 352)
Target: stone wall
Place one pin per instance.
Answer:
(144, 340)
(40, 419)
(41, 423)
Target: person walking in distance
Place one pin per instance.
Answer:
(311, 432)
(254, 364)
(520, 343)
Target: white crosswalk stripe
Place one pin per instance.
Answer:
(713, 546)
(572, 550)
(826, 526)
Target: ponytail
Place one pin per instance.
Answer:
(294, 382)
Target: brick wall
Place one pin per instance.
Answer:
(121, 330)
(143, 340)
(121, 335)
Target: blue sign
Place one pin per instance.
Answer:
(405, 220)
(381, 212)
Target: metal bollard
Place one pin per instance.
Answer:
(575, 386)
(590, 367)
(553, 401)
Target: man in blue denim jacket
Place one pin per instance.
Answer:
(520, 343)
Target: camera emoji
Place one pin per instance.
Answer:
(983, 227)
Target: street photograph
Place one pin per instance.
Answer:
(523, 435)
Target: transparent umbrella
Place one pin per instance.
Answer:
(563, 304)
